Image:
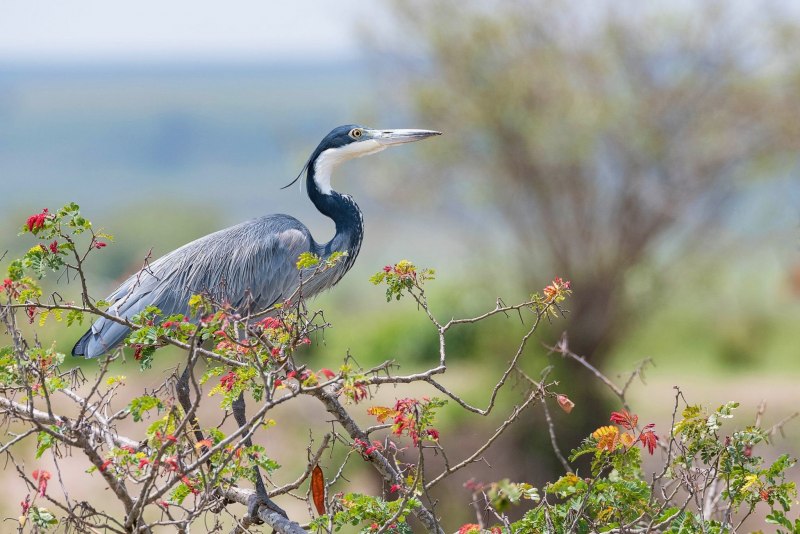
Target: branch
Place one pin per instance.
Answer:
(334, 407)
(535, 394)
(23, 412)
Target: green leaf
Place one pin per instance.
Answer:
(44, 441)
(777, 517)
(143, 404)
(41, 517)
(16, 270)
(74, 316)
(307, 260)
(180, 493)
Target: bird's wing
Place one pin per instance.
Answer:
(249, 266)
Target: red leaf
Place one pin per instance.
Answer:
(565, 403)
(649, 439)
(624, 419)
(318, 489)
(42, 476)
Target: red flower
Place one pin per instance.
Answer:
(624, 419)
(105, 464)
(42, 476)
(360, 391)
(31, 311)
(26, 504)
(558, 281)
(143, 462)
(137, 352)
(405, 419)
(405, 405)
(228, 381)
(434, 434)
(278, 382)
(54, 247)
(473, 485)
(469, 528)
(98, 244)
(170, 437)
(387, 269)
(270, 322)
(276, 351)
(36, 222)
(649, 440)
(290, 375)
(328, 373)
(557, 290)
(172, 463)
(190, 484)
(394, 488)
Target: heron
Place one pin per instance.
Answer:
(253, 265)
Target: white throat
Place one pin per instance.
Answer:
(329, 159)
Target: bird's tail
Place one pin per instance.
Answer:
(80, 347)
(102, 337)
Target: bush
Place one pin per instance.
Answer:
(168, 470)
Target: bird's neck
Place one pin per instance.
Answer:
(342, 209)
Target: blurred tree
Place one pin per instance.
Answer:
(603, 133)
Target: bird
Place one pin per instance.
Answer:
(253, 265)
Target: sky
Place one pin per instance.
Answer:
(179, 30)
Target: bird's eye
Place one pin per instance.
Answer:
(355, 133)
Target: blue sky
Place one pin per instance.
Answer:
(194, 30)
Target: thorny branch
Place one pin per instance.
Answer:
(143, 472)
(178, 472)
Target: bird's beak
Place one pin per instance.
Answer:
(396, 137)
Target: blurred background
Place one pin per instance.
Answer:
(647, 153)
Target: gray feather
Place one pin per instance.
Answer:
(250, 266)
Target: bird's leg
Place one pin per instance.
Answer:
(182, 390)
(260, 498)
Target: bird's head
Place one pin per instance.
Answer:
(353, 141)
